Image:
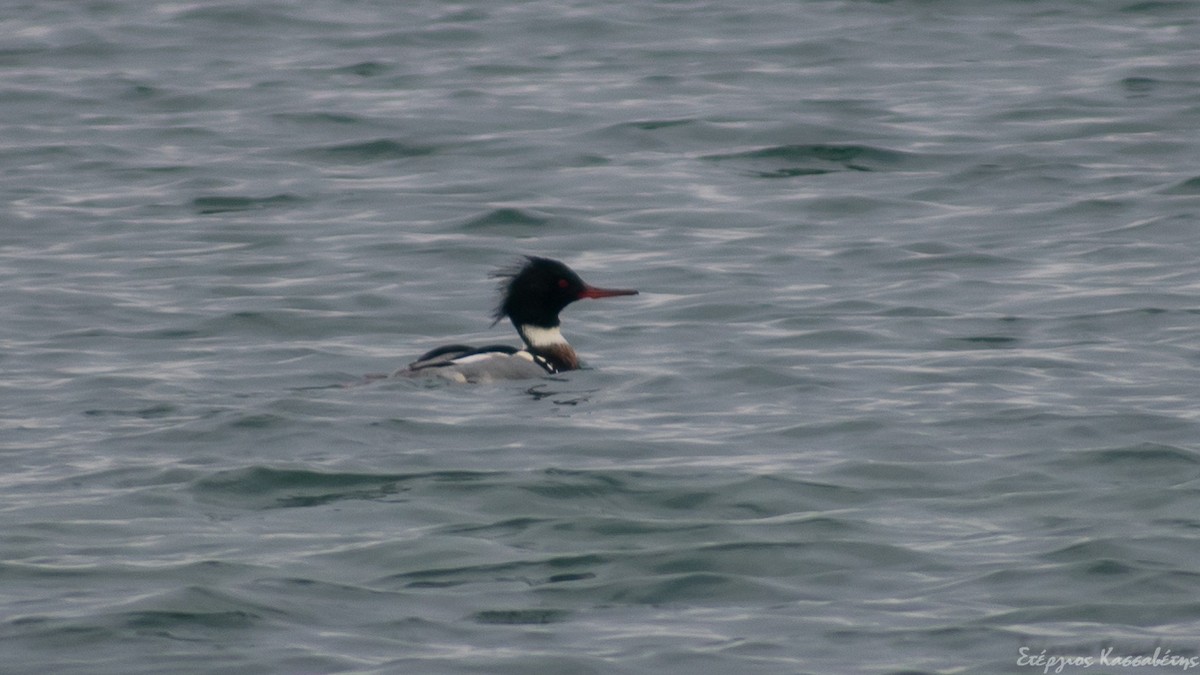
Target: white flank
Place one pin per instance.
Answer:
(477, 358)
(543, 337)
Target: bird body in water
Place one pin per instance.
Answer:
(532, 296)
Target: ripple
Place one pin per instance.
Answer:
(521, 617)
(379, 150)
(262, 487)
(1191, 186)
(212, 205)
(508, 217)
(787, 161)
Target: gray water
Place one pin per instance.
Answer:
(911, 385)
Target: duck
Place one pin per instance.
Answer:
(532, 295)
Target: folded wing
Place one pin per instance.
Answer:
(464, 363)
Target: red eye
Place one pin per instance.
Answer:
(563, 283)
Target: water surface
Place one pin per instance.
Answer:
(909, 387)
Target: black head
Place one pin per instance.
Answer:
(535, 291)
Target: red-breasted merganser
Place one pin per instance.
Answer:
(532, 295)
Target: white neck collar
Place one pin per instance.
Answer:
(538, 337)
